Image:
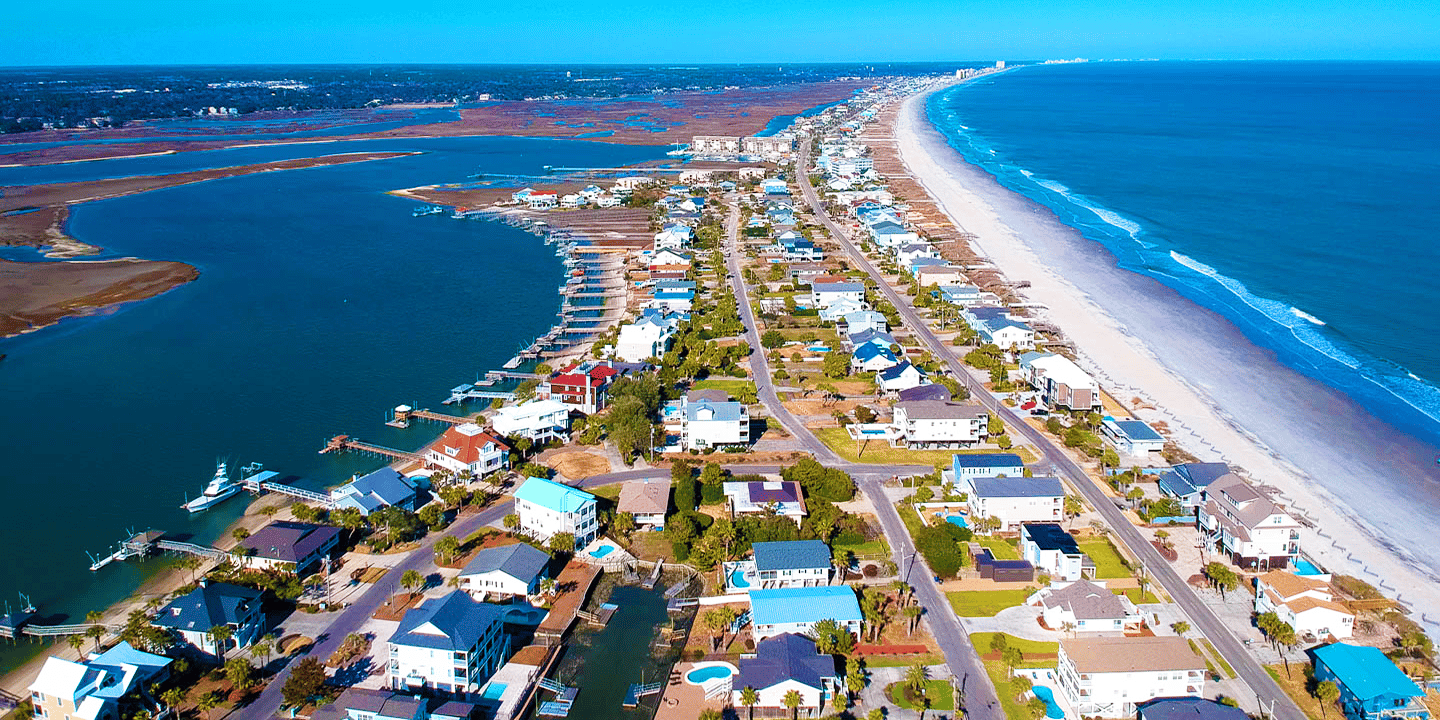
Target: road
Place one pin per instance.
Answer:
(1267, 692)
(960, 655)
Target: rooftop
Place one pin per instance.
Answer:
(454, 622)
(791, 555)
(553, 496)
(785, 657)
(1087, 601)
(782, 606)
(1190, 708)
(939, 410)
(1050, 536)
(997, 487)
(642, 497)
(207, 606)
(289, 541)
(521, 560)
(987, 460)
(1131, 654)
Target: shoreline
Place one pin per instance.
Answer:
(1209, 413)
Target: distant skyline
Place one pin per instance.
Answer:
(87, 32)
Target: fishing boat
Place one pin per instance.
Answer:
(220, 488)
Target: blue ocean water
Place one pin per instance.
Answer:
(321, 303)
(1295, 199)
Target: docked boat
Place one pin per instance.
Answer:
(220, 488)
(427, 210)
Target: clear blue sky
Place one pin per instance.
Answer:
(274, 31)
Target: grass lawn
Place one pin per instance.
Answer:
(1296, 687)
(610, 492)
(867, 549)
(879, 452)
(981, 641)
(1013, 710)
(1107, 562)
(823, 335)
(912, 520)
(879, 661)
(999, 547)
(1229, 671)
(939, 692)
(1136, 597)
(985, 603)
(734, 386)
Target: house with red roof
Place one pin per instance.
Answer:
(580, 387)
(469, 448)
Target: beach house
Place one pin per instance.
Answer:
(1131, 436)
(840, 308)
(1245, 524)
(1053, 551)
(791, 563)
(962, 295)
(648, 501)
(357, 703)
(1014, 500)
(1186, 482)
(1306, 603)
(1371, 687)
(706, 424)
(929, 391)
(865, 321)
(783, 664)
(468, 448)
(582, 387)
(939, 275)
(451, 644)
(547, 508)
(293, 547)
(673, 236)
(783, 497)
(825, 294)
(506, 571)
(899, 377)
(930, 424)
(966, 466)
(368, 493)
(872, 358)
(1189, 708)
(193, 615)
(100, 688)
(538, 420)
(648, 337)
(1110, 677)
(996, 326)
(1083, 606)
(797, 609)
(1061, 382)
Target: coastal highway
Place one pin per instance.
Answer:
(978, 696)
(1267, 692)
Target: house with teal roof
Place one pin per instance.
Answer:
(797, 609)
(1371, 687)
(547, 508)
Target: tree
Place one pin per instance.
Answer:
(432, 516)
(512, 521)
(1021, 685)
(209, 701)
(263, 648)
(750, 698)
(1221, 577)
(999, 642)
(1180, 627)
(1134, 495)
(240, 673)
(95, 632)
(348, 518)
(1037, 708)
(220, 635)
(624, 524)
(1012, 657)
(915, 678)
(712, 474)
(836, 364)
(412, 580)
(912, 618)
(772, 339)
(875, 714)
(792, 701)
(1327, 693)
(189, 562)
(78, 643)
(447, 548)
(1109, 458)
(562, 543)
(304, 682)
(1073, 507)
(840, 701)
(172, 698)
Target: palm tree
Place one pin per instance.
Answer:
(95, 632)
(77, 642)
(792, 701)
(412, 580)
(220, 635)
(209, 701)
(263, 647)
(916, 676)
(912, 618)
(172, 698)
(710, 714)
(750, 698)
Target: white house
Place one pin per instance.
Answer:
(648, 337)
(1014, 500)
(539, 420)
(1109, 677)
(791, 563)
(967, 465)
(784, 497)
(451, 644)
(780, 665)
(673, 236)
(647, 501)
(1131, 436)
(1083, 606)
(1306, 603)
(824, 294)
(669, 257)
(542, 201)
(1252, 529)
(931, 424)
(939, 275)
(94, 689)
(508, 570)
(797, 609)
(899, 377)
(872, 358)
(706, 424)
(292, 547)
(1061, 382)
(841, 308)
(468, 448)
(547, 508)
(863, 320)
(192, 615)
(1052, 551)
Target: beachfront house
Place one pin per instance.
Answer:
(1061, 382)
(210, 605)
(542, 200)
(1189, 708)
(930, 424)
(962, 295)
(583, 387)
(1131, 436)
(357, 703)
(791, 563)
(1110, 677)
(899, 377)
(507, 571)
(648, 501)
(825, 294)
(1014, 500)
(1187, 482)
(1083, 606)
(668, 257)
(468, 448)
(996, 326)
(940, 276)
(538, 420)
(101, 688)
(368, 493)
(1371, 687)
(872, 358)
(1053, 551)
(965, 466)
(783, 497)
(648, 337)
(707, 424)
(451, 644)
(1306, 603)
(840, 308)
(673, 237)
(783, 664)
(1245, 524)
(865, 321)
(797, 609)
(293, 547)
(547, 508)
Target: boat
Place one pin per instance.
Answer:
(427, 210)
(220, 488)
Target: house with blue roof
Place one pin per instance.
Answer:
(451, 644)
(369, 493)
(899, 377)
(872, 358)
(1131, 436)
(96, 689)
(973, 465)
(1187, 482)
(706, 423)
(1371, 687)
(963, 295)
(210, 605)
(780, 665)
(865, 320)
(784, 564)
(548, 508)
(797, 609)
(871, 336)
(507, 571)
(1015, 500)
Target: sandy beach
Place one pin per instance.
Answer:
(1360, 484)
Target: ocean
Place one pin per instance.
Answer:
(321, 304)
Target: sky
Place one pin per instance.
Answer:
(91, 32)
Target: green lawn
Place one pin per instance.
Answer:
(985, 603)
(999, 547)
(733, 386)
(879, 661)
(1013, 710)
(1135, 596)
(981, 641)
(912, 520)
(879, 452)
(1107, 562)
(865, 549)
(939, 692)
(823, 335)
(610, 492)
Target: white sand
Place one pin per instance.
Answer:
(1125, 363)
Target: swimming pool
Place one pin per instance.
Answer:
(737, 579)
(819, 348)
(864, 431)
(1052, 710)
(701, 675)
(602, 551)
(957, 520)
(493, 691)
(1305, 567)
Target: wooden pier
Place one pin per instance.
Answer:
(461, 393)
(403, 414)
(341, 443)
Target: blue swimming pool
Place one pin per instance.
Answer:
(493, 691)
(602, 551)
(957, 520)
(1052, 710)
(818, 348)
(1305, 567)
(714, 672)
(737, 579)
(872, 432)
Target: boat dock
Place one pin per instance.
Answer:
(461, 393)
(401, 416)
(263, 482)
(341, 443)
(142, 545)
(639, 690)
(654, 577)
(564, 699)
